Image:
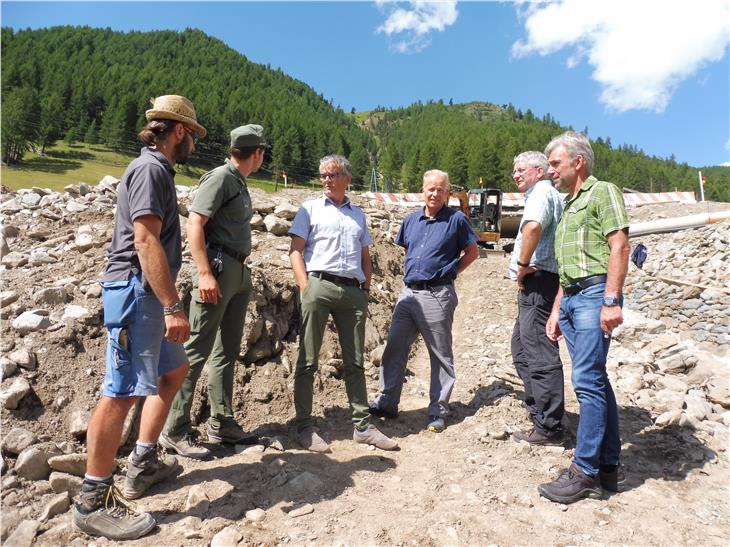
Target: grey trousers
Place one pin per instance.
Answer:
(429, 312)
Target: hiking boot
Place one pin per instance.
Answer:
(185, 445)
(100, 511)
(146, 471)
(536, 437)
(612, 480)
(309, 440)
(436, 424)
(229, 432)
(572, 485)
(382, 413)
(371, 435)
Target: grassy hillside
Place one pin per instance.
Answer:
(65, 164)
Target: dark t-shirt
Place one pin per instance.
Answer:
(434, 245)
(147, 188)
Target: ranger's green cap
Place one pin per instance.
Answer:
(248, 135)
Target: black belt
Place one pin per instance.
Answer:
(584, 283)
(230, 252)
(423, 285)
(336, 279)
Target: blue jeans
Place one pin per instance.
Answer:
(598, 442)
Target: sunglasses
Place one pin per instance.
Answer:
(193, 134)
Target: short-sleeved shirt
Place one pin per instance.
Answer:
(544, 205)
(223, 197)
(147, 187)
(334, 235)
(581, 246)
(434, 245)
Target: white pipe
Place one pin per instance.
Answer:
(677, 223)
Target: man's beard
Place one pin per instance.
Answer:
(181, 152)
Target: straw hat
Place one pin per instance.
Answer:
(175, 107)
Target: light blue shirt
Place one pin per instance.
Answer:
(544, 205)
(334, 235)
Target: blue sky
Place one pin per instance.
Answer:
(648, 73)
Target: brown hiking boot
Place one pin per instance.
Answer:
(572, 485)
(536, 437)
(229, 432)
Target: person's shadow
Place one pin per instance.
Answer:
(286, 479)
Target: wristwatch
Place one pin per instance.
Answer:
(610, 301)
(523, 264)
(176, 307)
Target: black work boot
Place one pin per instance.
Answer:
(570, 486)
(612, 477)
(101, 511)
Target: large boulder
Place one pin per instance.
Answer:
(32, 464)
(276, 225)
(12, 393)
(31, 321)
(17, 440)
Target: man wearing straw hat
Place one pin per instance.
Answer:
(219, 233)
(146, 325)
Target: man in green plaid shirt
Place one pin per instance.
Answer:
(592, 250)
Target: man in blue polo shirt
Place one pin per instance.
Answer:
(440, 243)
(330, 257)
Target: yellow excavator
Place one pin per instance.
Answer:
(483, 208)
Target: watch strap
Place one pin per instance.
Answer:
(176, 307)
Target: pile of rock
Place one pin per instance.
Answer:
(53, 343)
(685, 283)
(671, 355)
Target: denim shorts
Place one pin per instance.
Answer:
(137, 353)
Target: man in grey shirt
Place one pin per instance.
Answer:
(146, 325)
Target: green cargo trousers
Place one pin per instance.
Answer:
(349, 309)
(215, 332)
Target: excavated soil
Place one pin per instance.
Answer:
(470, 485)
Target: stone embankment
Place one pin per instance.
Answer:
(52, 347)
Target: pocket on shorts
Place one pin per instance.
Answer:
(120, 360)
(119, 300)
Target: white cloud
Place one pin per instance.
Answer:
(413, 24)
(640, 50)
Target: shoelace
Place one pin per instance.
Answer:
(115, 503)
(191, 439)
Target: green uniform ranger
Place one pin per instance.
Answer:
(219, 234)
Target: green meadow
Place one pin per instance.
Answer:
(65, 164)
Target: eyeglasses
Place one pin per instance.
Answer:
(193, 134)
(324, 176)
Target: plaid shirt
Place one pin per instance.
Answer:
(544, 205)
(581, 246)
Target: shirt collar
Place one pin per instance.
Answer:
(233, 169)
(539, 182)
(443, 213)
(590, 181)
(159, 156)
(345, 203)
